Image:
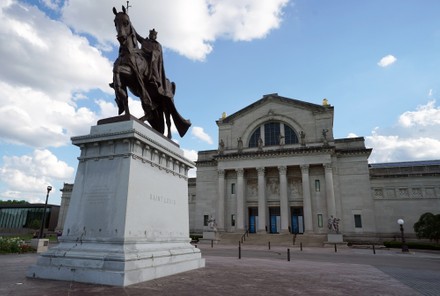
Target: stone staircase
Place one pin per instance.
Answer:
(311, 240)
(278, 239)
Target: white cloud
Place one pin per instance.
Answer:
(187, 27)
(415, 137)
(200, 134)
(27, 175)
(191, 155)
(45, 55)
(25, 118)
(46, 70)
(425, 115)
(387, 61)
(393, 148)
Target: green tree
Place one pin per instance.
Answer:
(12, 202)
(428, 227)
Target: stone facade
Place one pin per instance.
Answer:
(278, 169)
(404, 190)
(65, 201)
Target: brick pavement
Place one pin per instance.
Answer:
(270, 274)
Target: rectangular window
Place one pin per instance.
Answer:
(233, 188)
(357, 221)
(205, 220)
(320, 224)
(317, 186)
(232, 220)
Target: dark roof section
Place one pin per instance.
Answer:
(404, 164)
(276, 97)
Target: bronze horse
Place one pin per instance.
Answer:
(132, 70)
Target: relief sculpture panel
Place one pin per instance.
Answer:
(252, 189)
(295, 191)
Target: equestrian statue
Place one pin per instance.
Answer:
(141, 70)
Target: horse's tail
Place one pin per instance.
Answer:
(182, 124)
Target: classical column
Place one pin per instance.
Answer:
(261, 200)
(329, 190)
(220, 219)
(307, 201)
(284, 208)
(240, 199)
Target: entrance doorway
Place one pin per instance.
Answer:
(275, 220)
(253, 219)
(297, 220)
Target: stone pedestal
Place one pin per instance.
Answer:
(127, 220)
(333, 238)
(40, 244)
(209, 236)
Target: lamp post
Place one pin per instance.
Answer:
(404, 246)
(49, 188)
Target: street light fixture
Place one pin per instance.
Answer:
(404, 246)
(49, 188)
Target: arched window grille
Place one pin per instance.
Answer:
(272, 131)
(253, 142)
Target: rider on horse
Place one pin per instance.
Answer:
(153, 54)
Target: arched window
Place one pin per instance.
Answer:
(253, 142)
(290, 136)
(272, 131)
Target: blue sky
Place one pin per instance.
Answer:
(377, 62)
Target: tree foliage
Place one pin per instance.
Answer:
(428, 227)
(12, 202)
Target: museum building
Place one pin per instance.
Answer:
(279, 169)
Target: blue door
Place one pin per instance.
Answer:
(295, 226)
(297, 220)
(252, 226)
(273, 224)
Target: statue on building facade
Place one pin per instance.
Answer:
(240, 145)
(281, 140)
(324, 136)
(260, 144)
(221, 147)
(212, 224)
(302, 136)
(142, 72)
(333, 224)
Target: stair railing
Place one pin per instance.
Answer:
(243, 237)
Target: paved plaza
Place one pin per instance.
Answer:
(260, 271)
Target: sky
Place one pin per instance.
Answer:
(377, 62)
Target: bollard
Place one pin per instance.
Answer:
(195, 246)
(268, 245)
(239, 250)
(212, 243)
(288, 254)
(374, 249)
(336, 249)
(301, 246)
